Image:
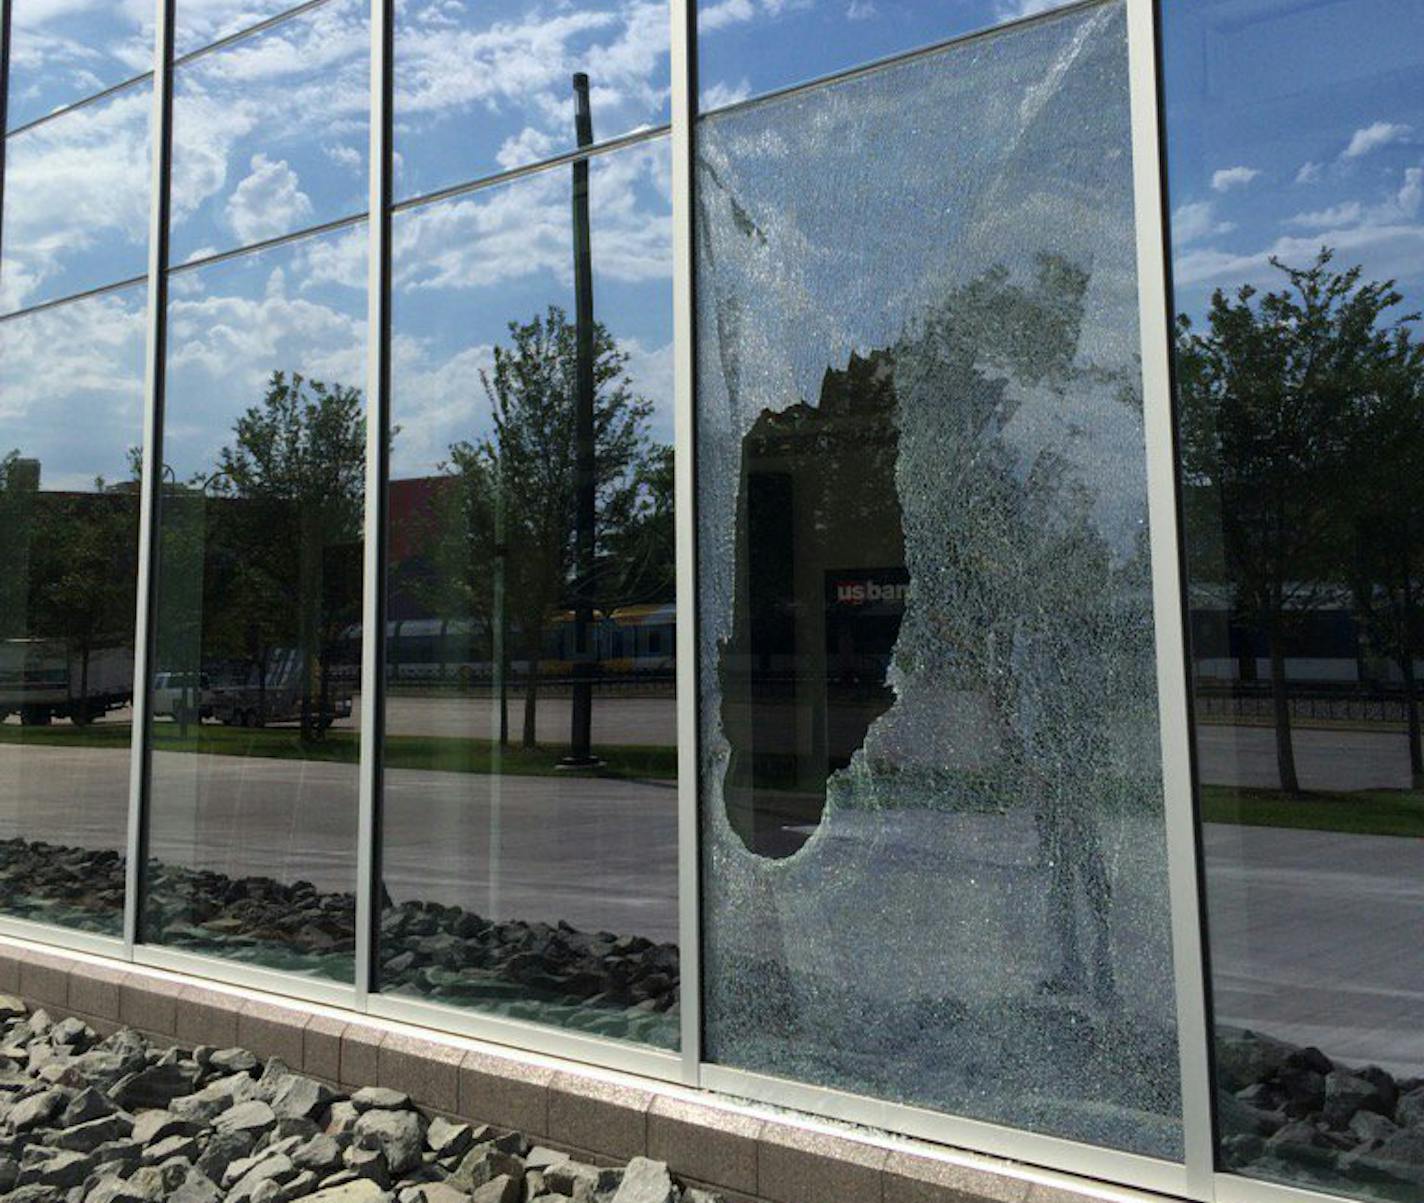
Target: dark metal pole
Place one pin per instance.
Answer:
(585, 516)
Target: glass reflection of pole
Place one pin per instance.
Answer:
(499, 716)
(581, 732)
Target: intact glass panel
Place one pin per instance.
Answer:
(71, 421)
(481, 89)
(526, 874)
(934, 859)
(270, 134)
(257, 646)
(749, 47)
(76, 201)
(1296, 176)
(62, 53)
(200, 23)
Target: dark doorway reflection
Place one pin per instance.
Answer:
(821, 588)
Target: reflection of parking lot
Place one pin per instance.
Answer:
(1325, 760)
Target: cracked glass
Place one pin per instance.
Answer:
(932, 813)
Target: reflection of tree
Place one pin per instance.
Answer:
(70, 561)
(516, 489)
(1019, 599)
(291, 491)
(1278, 395)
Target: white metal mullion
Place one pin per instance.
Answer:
(373, 610)
(160, 155)
(1155, 331)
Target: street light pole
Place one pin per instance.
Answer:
(585, 515)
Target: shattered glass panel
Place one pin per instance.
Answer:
(932, 801)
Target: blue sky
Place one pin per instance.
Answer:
(1294, 124)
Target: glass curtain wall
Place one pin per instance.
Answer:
(1296, 178)
(934, 857)
(252, 807)
(529, 820)
(75, 219)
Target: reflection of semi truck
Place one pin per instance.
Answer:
(43, 679)
(247, 701)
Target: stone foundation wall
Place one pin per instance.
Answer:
(747, 1155)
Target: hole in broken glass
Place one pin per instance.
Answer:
(820, 593)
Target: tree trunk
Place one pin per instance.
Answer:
(531, 687)
(1411, 712)
(1280, 703)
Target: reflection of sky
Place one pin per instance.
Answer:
(1294, 125)
(64, 50)
(71, 388)
(747, 47)
(76, 201)
(482, 88)
(300, 307)
(465, 268)
(270, 134)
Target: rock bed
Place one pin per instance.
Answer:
(617, 986)
(1291, 1113)
(90, 1120)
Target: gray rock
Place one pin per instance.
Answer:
(503, 1189)
(233, 1060)
(575, 1178)
(197, 1187)
(252, 1116)
(36, 1110)
(73, 1034)
(447, 1139)
(176, 1145)
(1409, 1111)
(60, 1169)
(1402, 1155)
(360, 1190)
(300, 1097)
(12, 1008)
(277, 1170)
(371, 1098)
(368, 1163)
(1370, 1126)
(88, 1104)
(222, 1150)
(156, 1086)
(438, 1192)
(123, 1152)
(215, 1098)
(151, 1126)
(646, 1181)
(341, 1118)
(1246, 1057)
(1347, 1093)
(86, 1137)
(320, 1153)
(112, 1189)
(539, 1157)
(484, 1163)
(400, 1135)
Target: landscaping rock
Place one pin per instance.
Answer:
(400, 1135)
(646, 1181)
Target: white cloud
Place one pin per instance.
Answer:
(1372, 137)
(1337, 215)
(861, 10)
(1195, 221)
(1232, 177)
(268, 202)
(346, 157)
(1309, 173)
(721, 94)
(1011, 10)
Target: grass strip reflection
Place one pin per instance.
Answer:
(430, 752)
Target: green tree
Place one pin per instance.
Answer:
(517, 490)
(1269, 395)
(286, 528)
(1385, 480)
